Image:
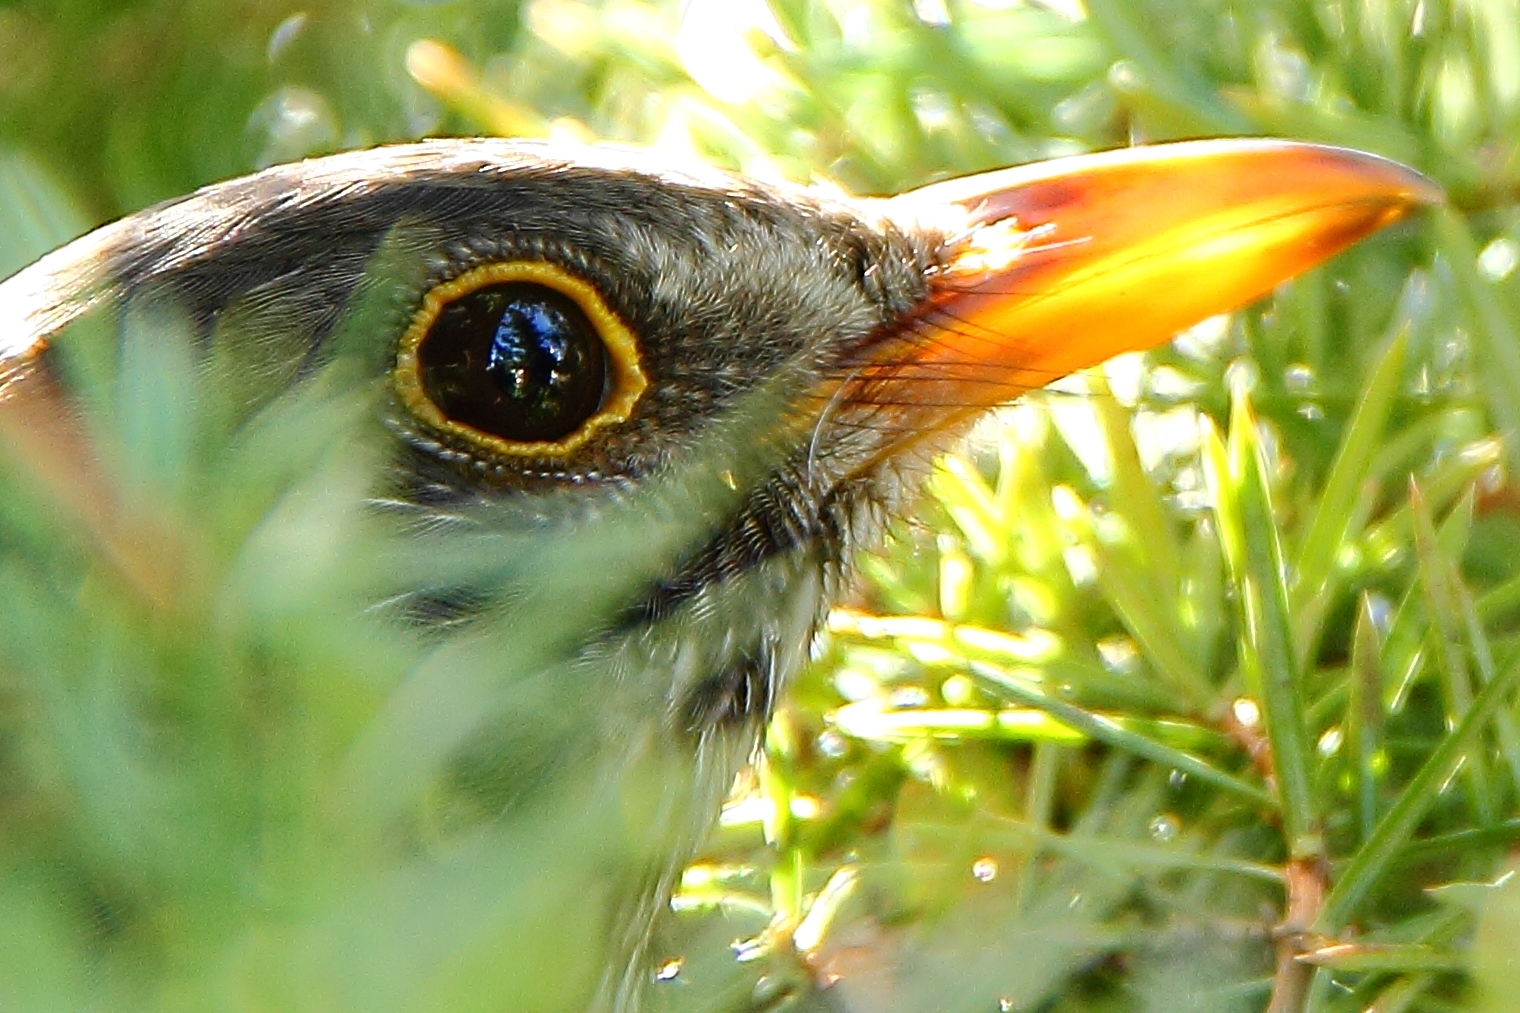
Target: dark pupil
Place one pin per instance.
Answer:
(516, 360)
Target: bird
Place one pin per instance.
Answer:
(583, 445)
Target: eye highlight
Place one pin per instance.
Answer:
(520, 358)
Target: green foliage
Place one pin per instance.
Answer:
(1191, 687)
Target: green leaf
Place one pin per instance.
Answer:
(1115, 734)
(1237, 479)
(1342, 505)
(1370, 863)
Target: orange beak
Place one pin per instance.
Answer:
(1060, 265)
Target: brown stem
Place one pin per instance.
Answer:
(1307, 881)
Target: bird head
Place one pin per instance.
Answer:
(625, 430)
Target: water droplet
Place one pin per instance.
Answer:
(831, 744)
(1298, 378)
(1005, 1005)
(1243, 372)
(669, 970)
(984, 869)
(932, 107)
(1119, 655)
(1246, 712)
(1168, 383)
(1125, 76)
(957, 691)
(855, 684)
(768, 992)
(1330, 742)
(283, 35)
(1499, 259)
(1205, 340)
(1380, 611)
(293, 123)
(1164, 827)
(1492, 480)
(932, 12)
(1311, 411)
(908, 697)
(1176, 780)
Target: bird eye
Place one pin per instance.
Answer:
(519, 358)
(515, 360)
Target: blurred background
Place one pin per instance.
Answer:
(1029, 769)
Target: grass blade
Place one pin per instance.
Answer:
(1236, 475)
(1393, 831)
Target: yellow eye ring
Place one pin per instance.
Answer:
(552, 294)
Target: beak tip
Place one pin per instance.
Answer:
(1396, 182)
